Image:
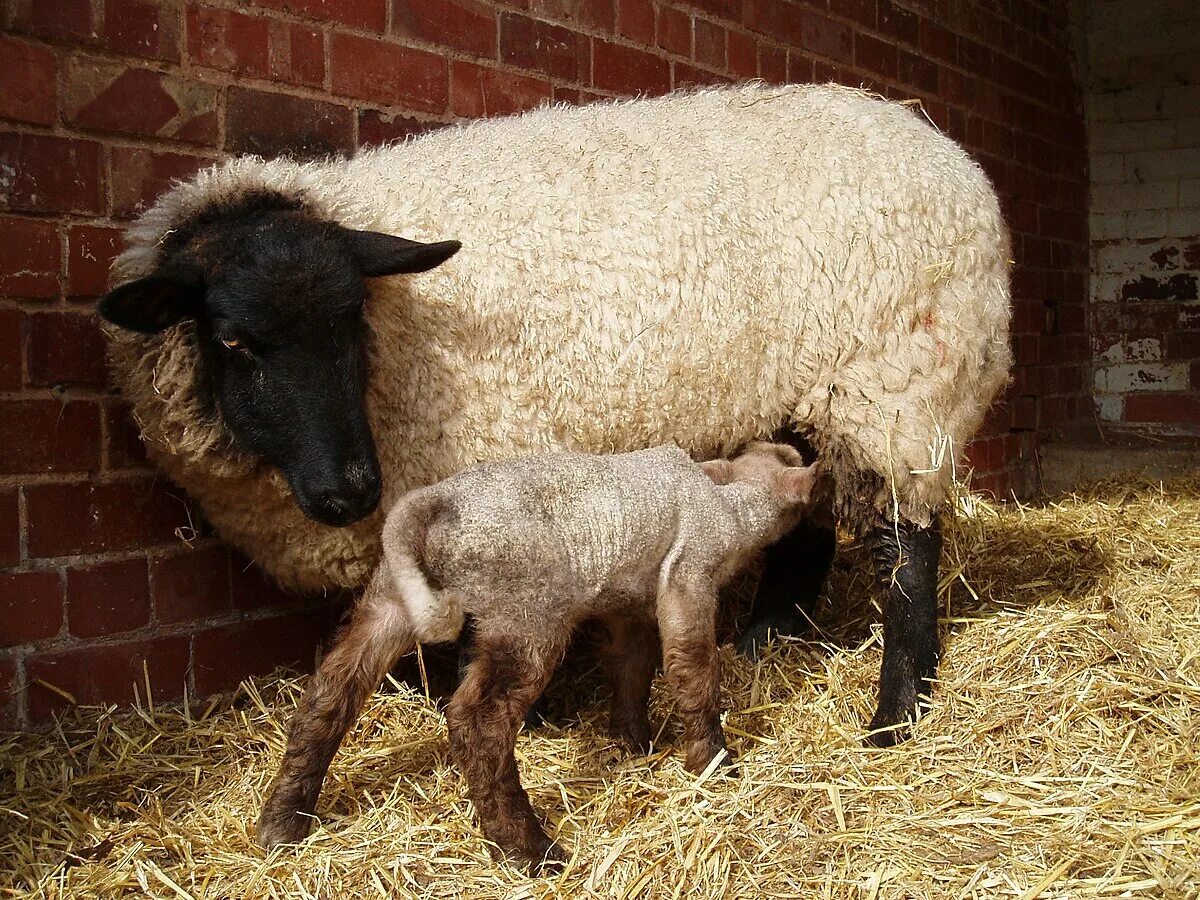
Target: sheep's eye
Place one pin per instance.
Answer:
(233, 344)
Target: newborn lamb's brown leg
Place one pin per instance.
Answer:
(378, 635)
(686, 621)
(630, 658)
(505, 675)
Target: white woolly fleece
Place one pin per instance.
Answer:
(701, 268)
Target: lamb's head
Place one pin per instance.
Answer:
(276, 295)
(773, 474)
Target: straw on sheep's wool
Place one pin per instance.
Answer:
(1060, 759)
(701, 268)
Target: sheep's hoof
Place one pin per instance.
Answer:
(282, 827)
(761, 632)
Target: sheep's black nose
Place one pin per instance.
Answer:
(344, 505)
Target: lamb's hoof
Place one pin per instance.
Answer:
(552, 862)
(636, 736)
(761, 632)
(727, 767)
(283, 827)
(543, 857)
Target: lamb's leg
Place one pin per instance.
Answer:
(793, 574)
(687, 625)
(378, 634)
(504, 676)
(630, 659)
(906, 565)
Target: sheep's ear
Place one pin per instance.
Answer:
(155, 302)
(796, 483)
(385, 254)
(719, 470)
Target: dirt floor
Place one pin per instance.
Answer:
(1061, 757)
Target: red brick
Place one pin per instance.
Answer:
(710, 44)
(369, 15)
(898, 23)
(9, 704)
(377, 127)
(1183, 345)
(29, 259)
(108, 96)
(863, 12)
(597, 14)
(148, 28)
(625, 70)
(689, 75)
(918, 72)
(772, 63)
(743, 55)
(108, 598)
(574, 96)
(49, 436)
(107, 673)
(297, 54)
(10, 528)
(83, 517)
(476, 92)
(389, 74)
(876, 56)
(31, 606)
(139, 176)
(11, 328)
(635, 20)
(50, 174)
(122, 441)
(543, 47)
(224, 656)
(777, 19)
(228, 40)
(466, 25)
(66, 348)
(190, 585)
(90, 252)
(674, 31)
(62, 21)
(28, 75)
(799, 68)
(1024, 414)
(722, 9)
(1173, 409)
(938, 42)
(827, 38)
(273, 124)
(252, 589)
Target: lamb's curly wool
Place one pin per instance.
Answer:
(701, 268)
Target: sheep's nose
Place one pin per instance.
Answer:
(345, 505)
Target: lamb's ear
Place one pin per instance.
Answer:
(155, 302)
(385, 254)
(796, 483)
(719, 470)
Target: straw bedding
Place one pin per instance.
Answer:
(1061, 758)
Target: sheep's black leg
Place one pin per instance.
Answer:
(906, 564)
(793, 575)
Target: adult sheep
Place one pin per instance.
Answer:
(705, 268)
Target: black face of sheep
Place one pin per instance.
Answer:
(276, 296)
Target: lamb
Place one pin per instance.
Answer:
(530, 549)
(804, 262)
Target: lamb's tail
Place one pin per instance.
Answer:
(435, 615)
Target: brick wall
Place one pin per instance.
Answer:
(1143, 110)
(109, 574)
